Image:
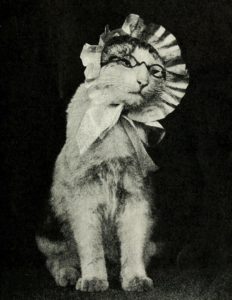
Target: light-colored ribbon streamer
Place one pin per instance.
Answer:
(100, 118)
(97, 120)
(146, 164)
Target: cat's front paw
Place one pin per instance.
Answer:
(138, 284)
(66, 276)
(92, 284)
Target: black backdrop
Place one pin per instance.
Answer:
(40, 44)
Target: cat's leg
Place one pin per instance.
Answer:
(134, 227)
(90, 249)
(64, 269)
(62, 260)
(87, 229)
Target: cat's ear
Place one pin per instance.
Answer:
(107, 35)
(104, 35)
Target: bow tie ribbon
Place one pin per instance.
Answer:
(99, 118)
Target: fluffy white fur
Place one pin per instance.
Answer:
(101, 197)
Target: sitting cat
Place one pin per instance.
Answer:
(101, 200)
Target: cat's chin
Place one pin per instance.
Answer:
(129, 99)
(133, 100)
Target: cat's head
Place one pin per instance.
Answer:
(131, 72)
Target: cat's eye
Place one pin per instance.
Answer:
(157, 71)
(125, 62)
(122, 61)
(113, 59)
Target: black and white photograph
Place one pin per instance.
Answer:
(116, 146)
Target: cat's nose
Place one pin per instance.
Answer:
(142, 83)
(142, 76)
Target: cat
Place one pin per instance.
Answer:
(100, 201)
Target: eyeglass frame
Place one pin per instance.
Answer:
(123, 59)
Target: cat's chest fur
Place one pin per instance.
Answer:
(110, 165)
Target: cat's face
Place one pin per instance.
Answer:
(131, 74)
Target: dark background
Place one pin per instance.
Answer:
(40, 69)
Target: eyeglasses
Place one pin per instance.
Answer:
(130, 61)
